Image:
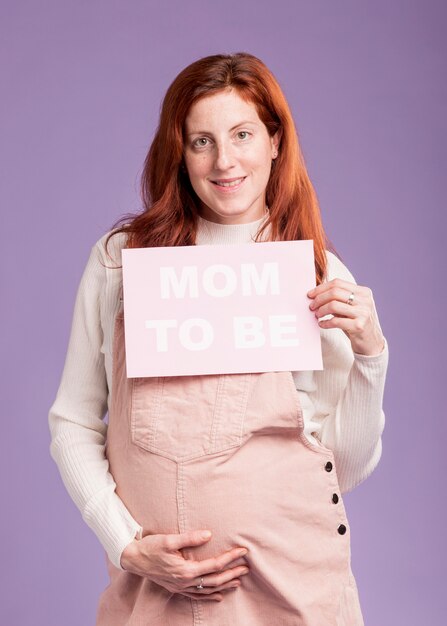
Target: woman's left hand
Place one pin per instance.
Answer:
(359, 320)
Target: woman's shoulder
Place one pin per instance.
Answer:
(337, 269)
(112, 252)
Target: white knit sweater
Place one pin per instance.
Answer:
(342, 404)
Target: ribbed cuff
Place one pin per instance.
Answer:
(112, 523)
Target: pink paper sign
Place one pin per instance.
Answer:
(220, 309)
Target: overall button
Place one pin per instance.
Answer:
(328, 466)
(341, 529)
(334, 498)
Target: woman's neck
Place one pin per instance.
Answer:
(214, 233)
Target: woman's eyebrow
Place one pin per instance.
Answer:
(195, 132)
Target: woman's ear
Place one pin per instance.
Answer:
(276, 140)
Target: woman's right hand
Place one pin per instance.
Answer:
(158, 558)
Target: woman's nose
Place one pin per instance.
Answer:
(224, 156)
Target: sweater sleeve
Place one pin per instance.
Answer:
(76, 422)
(347, 399)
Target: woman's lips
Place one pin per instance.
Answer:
(228, 188)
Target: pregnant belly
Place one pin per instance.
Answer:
(271, 495)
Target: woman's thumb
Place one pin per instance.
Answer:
(190, 538)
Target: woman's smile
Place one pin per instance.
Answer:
(230, 185)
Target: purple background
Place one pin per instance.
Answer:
(82, 84)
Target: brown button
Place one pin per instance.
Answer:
(334, 498)
(328, 466)
(341, 529)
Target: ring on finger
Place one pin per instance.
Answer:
(200, 585)
(350, 300)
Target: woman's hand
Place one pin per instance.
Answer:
(158, 558)
(359, 320)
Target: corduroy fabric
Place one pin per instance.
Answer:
(228, 453)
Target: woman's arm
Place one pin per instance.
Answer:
(78, 432)
(348, 398)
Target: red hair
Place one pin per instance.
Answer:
(170, 212)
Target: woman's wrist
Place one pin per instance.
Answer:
(371, 354)
(129, 552)
(374, 352)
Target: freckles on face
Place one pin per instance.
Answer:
(228, 156)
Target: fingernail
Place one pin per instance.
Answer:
(242, 551)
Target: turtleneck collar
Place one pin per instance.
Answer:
(214, 233)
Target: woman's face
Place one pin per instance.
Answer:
(225, 140)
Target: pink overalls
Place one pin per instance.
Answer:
(228, 453)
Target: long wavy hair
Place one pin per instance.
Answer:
(171, 207)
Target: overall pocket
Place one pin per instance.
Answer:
(186, 417)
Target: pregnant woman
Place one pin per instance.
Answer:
(218, 498)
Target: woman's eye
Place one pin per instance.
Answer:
(243, 132)
(199, 145)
